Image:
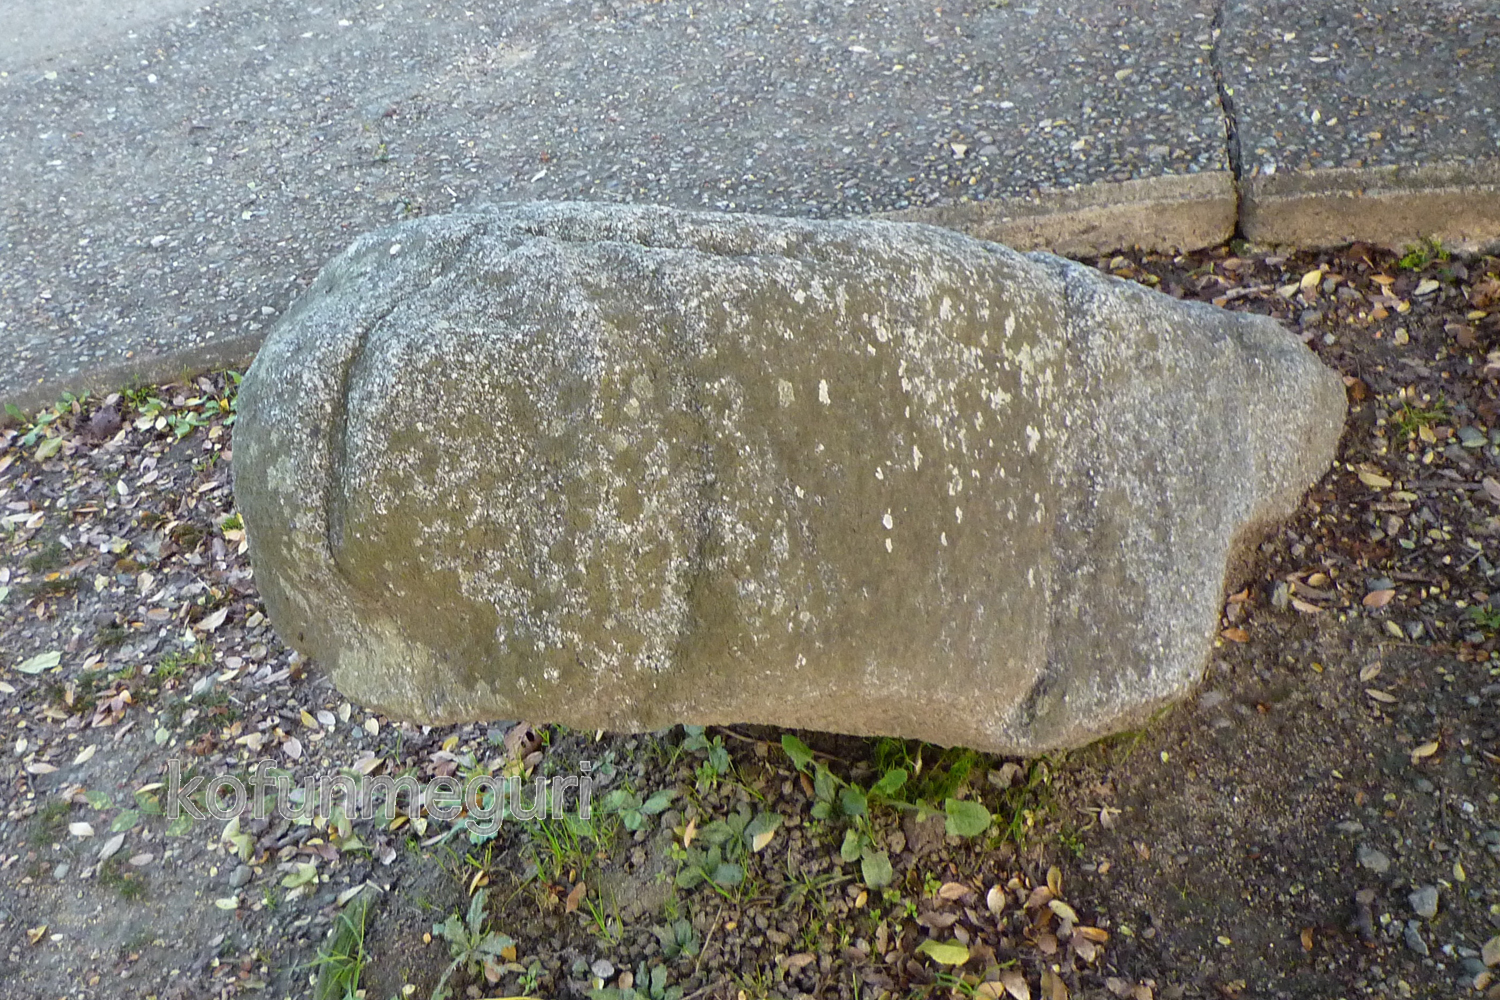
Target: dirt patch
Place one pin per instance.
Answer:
(1322, 819)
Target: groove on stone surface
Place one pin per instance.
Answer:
(333, 488)
(1226, 104)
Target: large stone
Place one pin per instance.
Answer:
(623, 467)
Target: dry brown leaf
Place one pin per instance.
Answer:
(995, 900)
(1307, 939)
(1236, 634)
(1015, 984)
(1381, 696)
(1305, 607)
(952, 890)
(1098, 935)
(1054, 880)
(1369, 672)
(1053, 988)
(575, 897)
(1378, 598)
(1374, 480)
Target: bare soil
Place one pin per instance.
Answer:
(1264, 839)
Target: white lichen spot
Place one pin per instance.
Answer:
(1033, 437)
(888, 545)
(943, 538)
(551, 674)
(823, 391)
(945, 309)
(958, 512)
(784, 394)
(888, 521)
(800, 492)
(799, 296)
(879, 473)
(916, 457)
(632, 407)
(1010, 325)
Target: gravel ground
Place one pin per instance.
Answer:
(1322, 819)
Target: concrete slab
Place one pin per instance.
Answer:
(173, 178)
(1371, 120)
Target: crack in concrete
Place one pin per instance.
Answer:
(1226, 105)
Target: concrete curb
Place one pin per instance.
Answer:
(1167, 214)
(1459, 203)
(230, 352)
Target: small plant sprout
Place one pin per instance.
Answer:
(474, 949)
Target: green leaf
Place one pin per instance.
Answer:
(180, 826)
(966, 819)
(40, 662)
(728, 874)
(659, 802)
(148, 803)
(825, 784)
(800, 752)
(890, 783)
(758, 833)
(476, 910)
(126, 820)
(852, 801)
(949, 953)
(716, 833)
(619, 800)
(875, 867)
(48, 448)
(849, 849)
(98, 800)
(689, 877)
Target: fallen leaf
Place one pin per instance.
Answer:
(1378, 598)
(1369, 672)
(1236, 634)
(995, 900)
(81, 829)
(952, 890)
(1425, 750)
(1381, 696)
(1053, 987)
(1015, 984)
(38, 767)
(86, 754)
(1374, 480)
(35, 934)
(575, 897)
(800, 960)
(1063, 911)
(1307, 939)
(1305, 607)
(228, 903)
(40, 662)
(944, 953)
(214, 620)
(111, 847)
